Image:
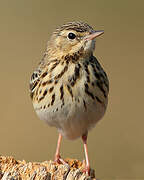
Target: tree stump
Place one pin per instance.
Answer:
(11, 169)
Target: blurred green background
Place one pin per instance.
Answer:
(116, 145)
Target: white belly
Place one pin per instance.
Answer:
(73, 119)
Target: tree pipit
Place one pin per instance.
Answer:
(69, 89)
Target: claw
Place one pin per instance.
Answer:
(59, 160)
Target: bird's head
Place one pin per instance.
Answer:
(73, 37)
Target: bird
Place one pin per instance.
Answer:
(69, 88)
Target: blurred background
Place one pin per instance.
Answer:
(116, 145)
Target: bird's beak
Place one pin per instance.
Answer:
(93, 35)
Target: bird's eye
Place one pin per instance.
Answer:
(71, 35)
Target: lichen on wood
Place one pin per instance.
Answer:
(11, 169)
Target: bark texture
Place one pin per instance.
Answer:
(11, 169)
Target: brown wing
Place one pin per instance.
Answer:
(35, 78)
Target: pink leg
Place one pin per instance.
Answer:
(57, 154)
(87, 168)
(58, 158)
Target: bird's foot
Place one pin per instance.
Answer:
(86, 168)
(59, 160)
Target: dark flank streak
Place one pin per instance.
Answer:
(101, 88)
(52, 61)
(104, 76)
(77, 69)
(106, 85)
(88, 79)
(45, 92)
(92, 84)
(41, 98)
(96, 65)
(62, 103)
(61, 92)
(62, 73)
(70, 90)
(75, 76)
(36, 92)
(62, 95)
(105, 82)
(51, 89)
(67, 58)
(56, 81)
(53, 99)
(97, 75)
(98, 99)
(85, 105)
(44, 74)
(86, 69)
(88, 92)
(47, 82)
(54, 66)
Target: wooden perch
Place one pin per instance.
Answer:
(11, 169)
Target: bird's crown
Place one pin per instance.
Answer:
(77, 26)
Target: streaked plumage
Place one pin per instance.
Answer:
(69, 89)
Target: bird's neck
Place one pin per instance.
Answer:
(52, 54)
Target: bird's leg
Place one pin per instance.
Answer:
(87, 167)
(57, 154)
(58, 158)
